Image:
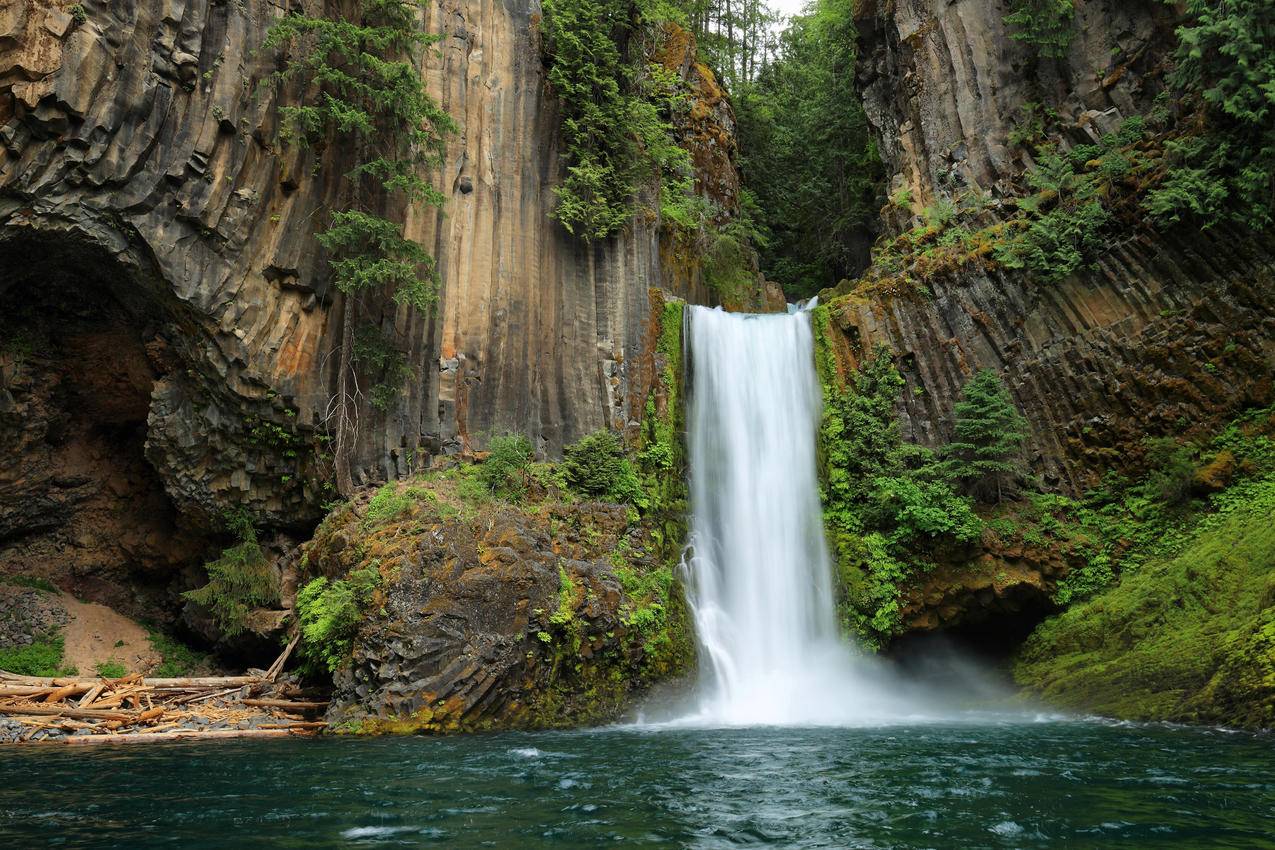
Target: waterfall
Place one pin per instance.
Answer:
(759, 578)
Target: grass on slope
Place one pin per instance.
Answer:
(1187, 637)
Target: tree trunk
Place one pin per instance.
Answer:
(344, 428)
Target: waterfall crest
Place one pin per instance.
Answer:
(759, 577)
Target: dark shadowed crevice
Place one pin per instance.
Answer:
(80, 505)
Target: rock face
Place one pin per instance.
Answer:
(138, 136)
(497, 615)
(142, 179)
(1166, 334)
(945, 85)
(1165, 337)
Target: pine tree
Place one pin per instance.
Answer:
(984, 455)
(360, 83)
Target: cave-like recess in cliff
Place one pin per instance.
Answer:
(80, 505)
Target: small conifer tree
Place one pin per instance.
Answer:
(984, 455)
(360, 86)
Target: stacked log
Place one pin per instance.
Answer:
(134, 708)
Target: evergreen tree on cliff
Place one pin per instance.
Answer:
(361, 88)
(984, 456)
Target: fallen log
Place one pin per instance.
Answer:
(272, 672)
(185, 734)
(296, 705)
(34, 691)
(94, 693)
(66, 691)
(60, 711)
(194, 683)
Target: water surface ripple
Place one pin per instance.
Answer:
(1071, 784)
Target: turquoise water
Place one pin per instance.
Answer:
(1067, 784)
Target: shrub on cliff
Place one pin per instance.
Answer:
(596, 466)
(1045, 24)
(984, 456)
(1226, 57)
(504, 472)
(240, 579)
(329, 613)
(360, 84)
(885, 510)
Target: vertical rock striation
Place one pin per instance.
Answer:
(1165, 333)
(138, 132)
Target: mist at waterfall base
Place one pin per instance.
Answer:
(757, 567)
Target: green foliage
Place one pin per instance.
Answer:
(590, 75)
(913, 509)
(1065, 217)
(807, 153)
(241, 579)
(1045, 24)
(177, 658)
(361, 88)
(984, 455)
(379, 355)
(42, 657)
(329, 614)
(1189, 636)
(615, 127)
(1172, 470)
(110, 669)
(505, 470)
(884, 510)
(596, 466)
(1226, 58)
(78, 13)
(1227, 54)
(388, 504)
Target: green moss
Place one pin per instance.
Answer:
(661, 460)
(40, 658)
(1185, 637)
(388, 504)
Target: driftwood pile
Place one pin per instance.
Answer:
(134, 709)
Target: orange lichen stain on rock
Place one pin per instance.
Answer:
(297, 355)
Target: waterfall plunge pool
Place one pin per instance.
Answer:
(992, 783)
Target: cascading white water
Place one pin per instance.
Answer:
(759, 577)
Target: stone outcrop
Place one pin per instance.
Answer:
(945, 85)
(1163, 337)
(497, 615)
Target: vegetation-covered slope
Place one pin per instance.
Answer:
(1188, 637)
